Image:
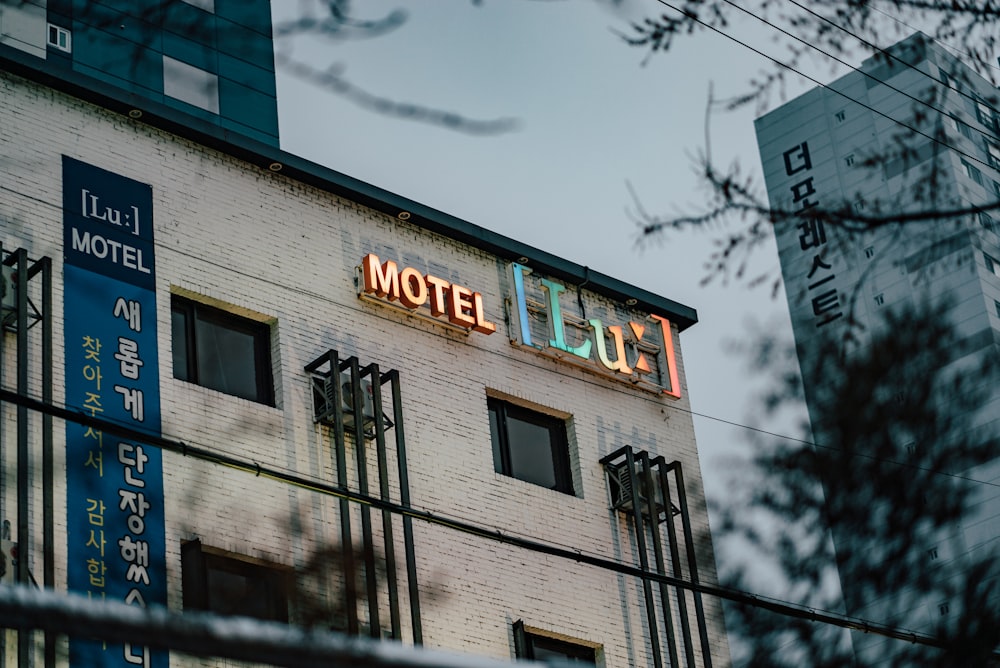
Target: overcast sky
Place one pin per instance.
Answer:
(585, 117)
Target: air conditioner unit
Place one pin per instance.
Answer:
(621, 484)
(8, 561)
(8, 293)
(324, 402)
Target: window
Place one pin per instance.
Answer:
(973, 173)
(879, 299)
(849, 160)
(190, 84)
(996, 305)
(993, 154)
(221, 351)
(840, 116)
(986, 220)
(228, 584)
(870, 252)
(992, 265)
(207, 5)
(985, 114)
(530, 446)
(533, 645)
(60, 38)
(961, 127)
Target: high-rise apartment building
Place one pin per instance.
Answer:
(240, 382)
(913, 129)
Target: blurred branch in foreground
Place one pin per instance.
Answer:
(900, 463)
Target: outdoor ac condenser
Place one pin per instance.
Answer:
(8, 294)
(324, 396)
(621, 484)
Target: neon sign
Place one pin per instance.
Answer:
(636, 357)
(413, 290)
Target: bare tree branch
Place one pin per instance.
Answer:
(334, 80)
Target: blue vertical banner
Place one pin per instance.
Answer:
(114, 487)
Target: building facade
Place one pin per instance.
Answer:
(913, 129)
(213, 61)
(240, 382)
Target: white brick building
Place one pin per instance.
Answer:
(204, 270)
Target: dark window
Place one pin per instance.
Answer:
(528, 645)
(961, 127)
(986, 115)
(190, 84)
(530, 446)
(221, 351)
(207, 5)
(228, 585)
(59, 38)
(973, 172)
(992, 265)
(992, 153)
(986, 220)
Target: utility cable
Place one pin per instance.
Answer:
(316, 295)
(832, 448)
(953, 50)
(888, 54)
(819, 83)
(737, 596)
(671, 406)
(860, 71)
(866, 74)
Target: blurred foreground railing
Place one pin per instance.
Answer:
(207, 635)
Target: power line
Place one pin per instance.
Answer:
(672, 406)
(833, 448)
(675, 407)
(889, 56)
(774, 605)
(954, 50)
(866, 74)
(819, 83)
(860, 71)
(316, 295)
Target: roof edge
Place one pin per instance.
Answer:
(265, 156)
